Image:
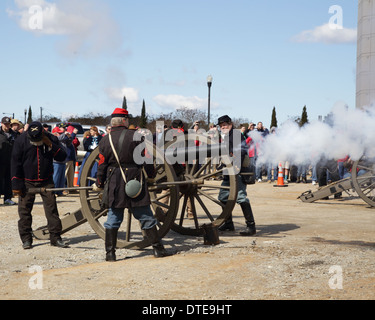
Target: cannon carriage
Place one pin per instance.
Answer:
(362, 181)
(176, 186)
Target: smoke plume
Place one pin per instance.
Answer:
(348, 132)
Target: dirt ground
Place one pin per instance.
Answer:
(321, 251)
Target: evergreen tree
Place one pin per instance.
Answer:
(124, 104)
(304, 118)
(143, 119)
(30, 116)
(273, 119)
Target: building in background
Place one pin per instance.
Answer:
(366, 54)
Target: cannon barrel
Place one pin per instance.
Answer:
(196, 152)
(40, 190)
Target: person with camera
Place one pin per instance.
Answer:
(32, 167)
(239, 149)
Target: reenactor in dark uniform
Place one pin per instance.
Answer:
(32, 167)
(226, 127)
(118, 200)
(7, 138)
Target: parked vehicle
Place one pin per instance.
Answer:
(81, 130)
(81, 152)
(101, 129)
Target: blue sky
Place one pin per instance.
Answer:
(88, 54)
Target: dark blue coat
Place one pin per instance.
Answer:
(32, 163)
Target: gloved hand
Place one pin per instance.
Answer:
(46, 141)
(95, 188)
(151, 181)
(18, 193)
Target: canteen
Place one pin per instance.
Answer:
(133, 188)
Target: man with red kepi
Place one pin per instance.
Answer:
(117, 149)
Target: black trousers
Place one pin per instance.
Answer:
(6, 182)
(322, 167)
(25, 207)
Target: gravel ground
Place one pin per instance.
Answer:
(323, 251)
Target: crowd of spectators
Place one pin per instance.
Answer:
(64, 171)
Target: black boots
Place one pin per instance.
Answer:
(56, 241)
(28, 244)
(59, 243)
(157, 246)
(228, 225)
(110, 244)
(152, 234)
(250, 222)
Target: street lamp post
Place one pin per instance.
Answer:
(209, 84)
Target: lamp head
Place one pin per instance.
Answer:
(209, 80)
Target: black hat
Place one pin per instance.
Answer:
(224, 119)
(35, 132)
(177, 124)
(5, 120)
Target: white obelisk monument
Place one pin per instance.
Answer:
(366, 54)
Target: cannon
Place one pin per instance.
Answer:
(174, 187)
(362, 180)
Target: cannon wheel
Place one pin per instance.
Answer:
(132, 237)
(203, 197)
(363, 176)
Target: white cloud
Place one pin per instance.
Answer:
(327, 34)
(53, 21)
(118, 94)
(86, 25)
(174, 102)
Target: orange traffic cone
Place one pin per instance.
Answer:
(76, 174)
(280, 180)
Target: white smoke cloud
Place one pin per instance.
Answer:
(352, 133)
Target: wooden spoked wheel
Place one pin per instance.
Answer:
(363, 176)
(130, 235)
(199, 196)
